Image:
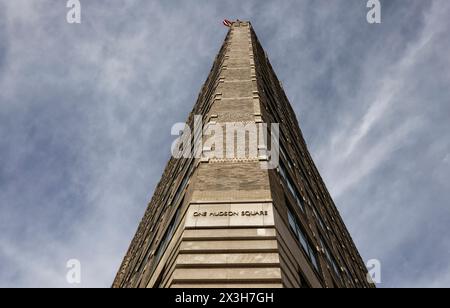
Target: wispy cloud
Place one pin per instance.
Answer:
(447, 158)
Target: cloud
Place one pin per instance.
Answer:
(86, 111)
(447, 158)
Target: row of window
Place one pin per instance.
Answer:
(295, 226)
(303, 239)
(173, 224)
(308, 248)
(180, 190)
(277, 112)
(283, 172)
(175, 200)
(291, 186)
(204, 96)
(293, 223)
(165, 241)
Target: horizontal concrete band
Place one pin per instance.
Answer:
(227, 274)
(231, 201)
(229, 246)
(227, 285)
(214, 259)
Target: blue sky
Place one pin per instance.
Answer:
(86, 112)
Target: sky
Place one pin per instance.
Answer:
(86, 111)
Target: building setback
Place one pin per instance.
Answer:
(227, 222)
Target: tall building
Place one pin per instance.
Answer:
(229, 222)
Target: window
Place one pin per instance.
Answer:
(158, 282)
(331, 260)
(314, 259)
(291, 187)
(303, 239)
(166, 240)
(284, 156)
(303, 282)
(292, 222)
(319, 219)
(183, 185)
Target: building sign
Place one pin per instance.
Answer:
(230, 215)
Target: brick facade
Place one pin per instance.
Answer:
(229, 223)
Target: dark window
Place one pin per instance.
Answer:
(165, 240)
(303, 282)
(291, 186)
(331, 260)
(303, 239)
(319, 219)
(180, 190)
(158, 281)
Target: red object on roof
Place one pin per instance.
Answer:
(227, 23)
